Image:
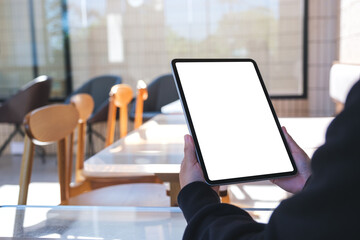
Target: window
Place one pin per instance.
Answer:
(31, 44)
(136, 39)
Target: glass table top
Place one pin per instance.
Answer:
(76, 222)
(90, 222)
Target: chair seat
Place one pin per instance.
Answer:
(134, 195)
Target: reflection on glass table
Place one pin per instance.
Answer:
(69, 222)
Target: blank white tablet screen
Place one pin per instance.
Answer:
(234, 125)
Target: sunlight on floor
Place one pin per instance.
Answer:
(47, 194)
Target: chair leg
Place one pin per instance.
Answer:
(63, 167)
(12, 135)
(80, 154)
(25, 172)
(38, 149)
(110, 126)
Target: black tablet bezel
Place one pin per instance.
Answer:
(193, 132)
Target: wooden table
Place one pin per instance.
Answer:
(156, 148)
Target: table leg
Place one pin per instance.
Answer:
(174, 191)
(173, 179)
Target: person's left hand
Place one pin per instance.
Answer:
(190, 168)
(295, 183)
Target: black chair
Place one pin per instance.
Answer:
(99, 88)
(33, 95)
(161, 91)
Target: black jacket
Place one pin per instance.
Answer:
(327, 208)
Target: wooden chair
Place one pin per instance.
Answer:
(54, 124)
(161, 91)
(84, 104)
(120, 97)
(98, 88)
(142, 95)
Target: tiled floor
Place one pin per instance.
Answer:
(43, 190)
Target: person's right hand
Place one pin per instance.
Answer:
(295, 183)
(190, 170)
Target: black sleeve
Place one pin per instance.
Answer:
(328, 208)
(209, 219)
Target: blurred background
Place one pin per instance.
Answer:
(294, 42)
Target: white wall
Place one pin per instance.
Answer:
(322, 52)
(349, 37)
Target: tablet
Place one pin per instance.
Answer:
(236, 132)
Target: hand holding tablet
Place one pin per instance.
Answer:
(236, 133)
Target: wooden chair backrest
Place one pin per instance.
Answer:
(46, 125)
(84, 103)
(120, 97)
(142, 95)
(51, 123)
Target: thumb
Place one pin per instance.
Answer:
(292, 144)
(289, 139)
(189, 149)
